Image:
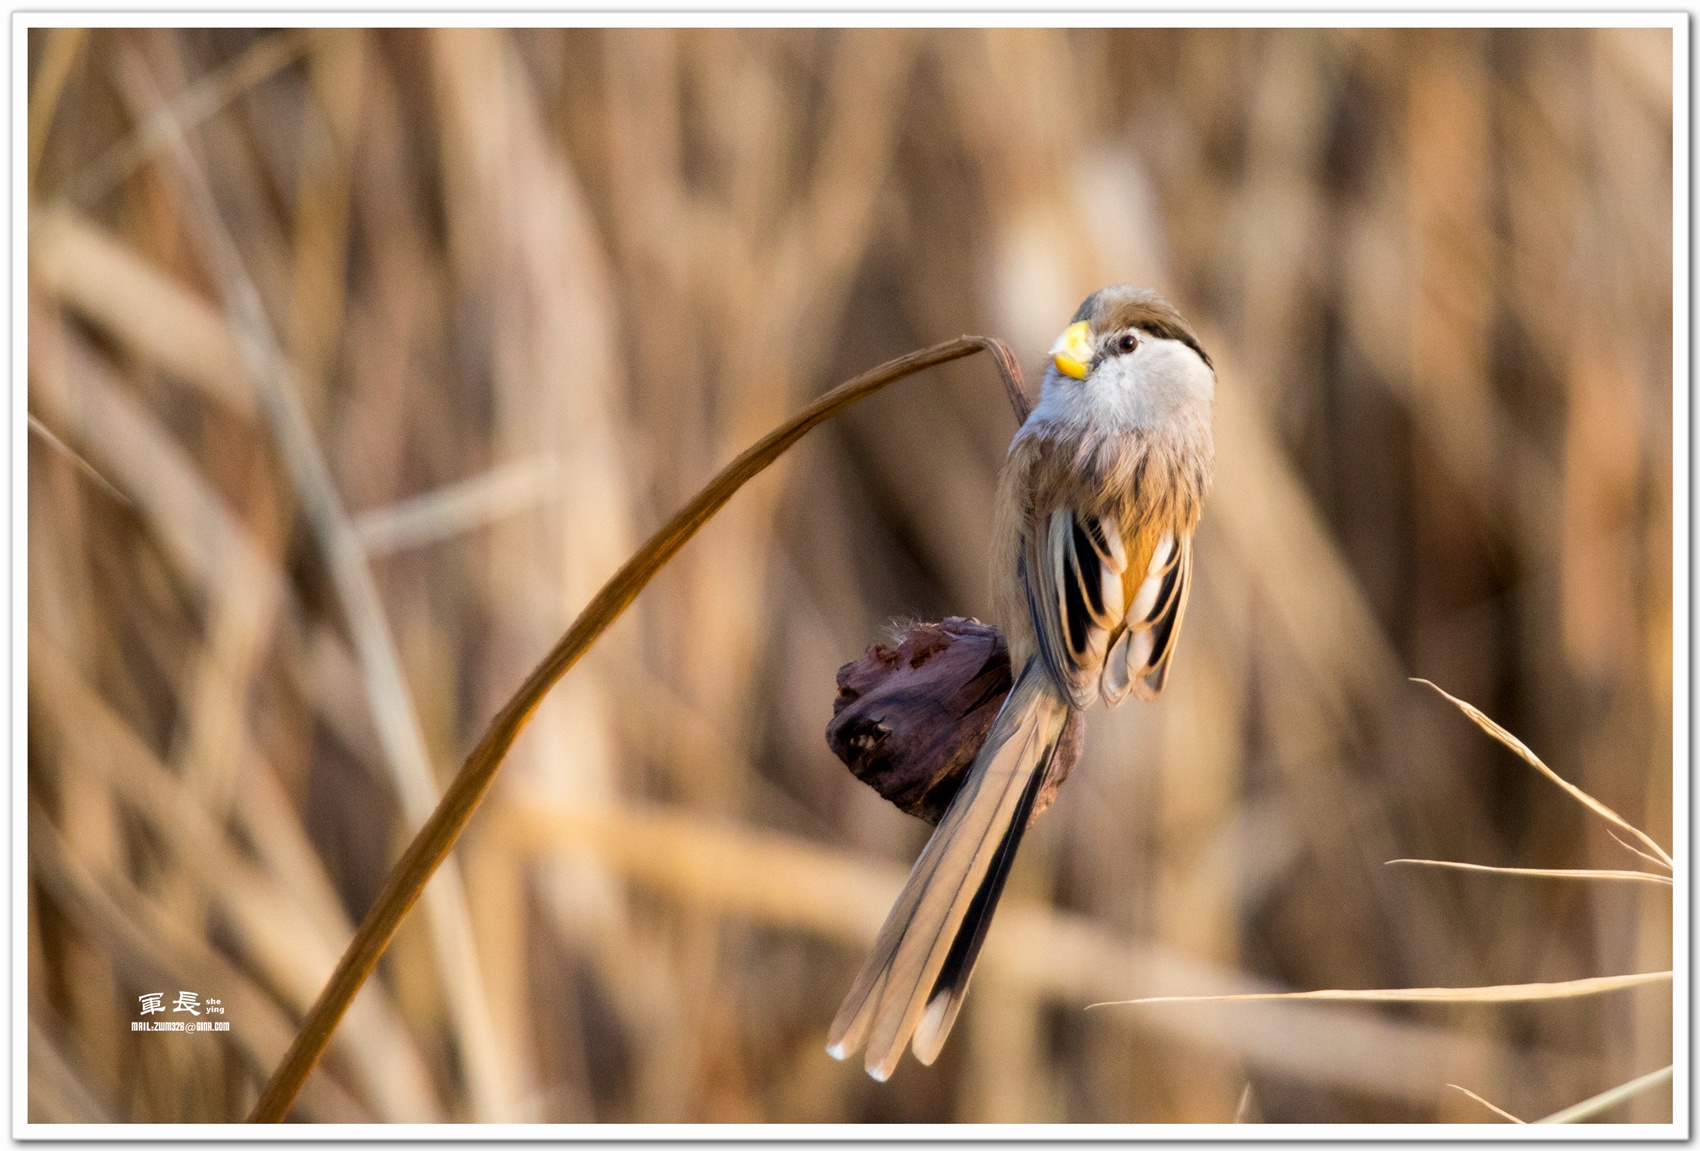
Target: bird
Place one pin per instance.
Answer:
(1097, 502)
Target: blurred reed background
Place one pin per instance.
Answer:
(530, 289)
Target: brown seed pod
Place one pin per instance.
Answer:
(910, 718)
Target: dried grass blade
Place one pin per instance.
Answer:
(1606, 1100)
(139, 933)
(1627, 846)
(59, 1092)
(1501, 993)
(53, 441)
(1533, 760)
(398, 723)
(270, 919)
(437, 838)
(1500, 1111)
(1547, 872)
(197, 529)
(458, 507)
(55, 69)
(723, 869)
(194, 106)
(95, 273)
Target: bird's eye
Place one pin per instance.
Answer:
(1127, 343)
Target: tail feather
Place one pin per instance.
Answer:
(945, 999)
(912, 984)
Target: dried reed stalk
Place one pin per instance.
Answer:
(1494, 1107)
(1622, 1093)
(274, 922)
(194, 106)
(397, 719)
(1503, 993)
(1544, 872)
(1482, 721)
(49, 85)
(1589, 1107)
(1037, 955)
(157, 946)
(433, 842)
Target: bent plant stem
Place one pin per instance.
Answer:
(433, 842)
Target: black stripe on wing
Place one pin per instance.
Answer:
(1077, 615)
(1072, 575)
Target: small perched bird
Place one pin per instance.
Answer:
(1096, 508)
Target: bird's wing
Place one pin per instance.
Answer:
(1072, 570)
(1139, 660)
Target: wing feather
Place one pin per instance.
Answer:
(1073, 572)
(1149, 640)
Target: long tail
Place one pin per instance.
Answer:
(913, 983)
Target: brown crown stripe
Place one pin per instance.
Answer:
(1112, 309)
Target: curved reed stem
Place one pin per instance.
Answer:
(437, 837)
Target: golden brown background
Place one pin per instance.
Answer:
(534, 287)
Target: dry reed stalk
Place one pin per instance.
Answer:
(528, 269)
(57, 1089)
(1605, 1100)
(1450, 205)
(1043, 953)
(1504, 993)
(63, 45)
(1534, 761)
(1590, 1107)
(771, 260)
(1632, 849)
(293, 948)
(1546, 872)
(1662, 859)
(93, 822)
(155, 946)
(398, 722)
(70, 453)
(1246, 1111)
(72, 391)
(190, 108)
(459, 507)
(431, 845)
(210, 741)
(336, 76)
(202, 535)
(77, 263)
(212, 547)
(1507, 993)
(1497, 1110)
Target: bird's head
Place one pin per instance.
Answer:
(1129, 359)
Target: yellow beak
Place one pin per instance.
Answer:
(1072, 354)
